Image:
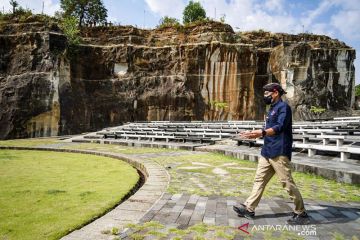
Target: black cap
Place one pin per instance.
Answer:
(271, 87)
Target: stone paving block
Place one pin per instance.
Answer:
(231, 213)
(272, 204)
(177, 208)
(183, 200)
(350, 215)
(193, 199)
(235, 222)
(134, 206)
(326, 213)
(202, 199)
(318, 217)
(167, 218)
(211, 206)
(209, 220)
(129, 215)
(165, 210)
(159, 205)
(210, 214)
(148, 216)
(176, 197)
(184, 217)
(221, 207)
(258, 220)
(169, 204)
(190, 206)
(335, 211)
(231, 202)
(200, 206)
(197, 216)
(221, 220)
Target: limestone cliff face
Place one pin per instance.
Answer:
(203, 72)
(29, 97)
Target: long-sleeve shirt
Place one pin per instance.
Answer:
(279, 118)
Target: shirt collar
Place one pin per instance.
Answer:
(275, 103)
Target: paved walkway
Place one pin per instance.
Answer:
(182, 211)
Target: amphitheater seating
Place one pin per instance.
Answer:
(338, 135)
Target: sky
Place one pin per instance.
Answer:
(338, 19)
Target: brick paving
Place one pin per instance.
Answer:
(182, 210)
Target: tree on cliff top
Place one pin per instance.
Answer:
(193, 12)
(14, 5)
(86, 11)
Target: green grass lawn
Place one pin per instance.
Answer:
(30, 142)
(118, 148)
(44, 195)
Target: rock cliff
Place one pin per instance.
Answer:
(199, 72)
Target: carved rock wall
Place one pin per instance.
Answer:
(204, 72)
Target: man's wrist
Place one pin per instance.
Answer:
(263, 133)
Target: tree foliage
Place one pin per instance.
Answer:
(168, 22)
(86, 11)
(193, 12)
(69, 25)
(357, 90)
(14, 4)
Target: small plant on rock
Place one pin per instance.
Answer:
(169, 22)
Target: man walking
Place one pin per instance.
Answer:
(275, 156)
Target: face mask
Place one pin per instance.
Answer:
(268, 100)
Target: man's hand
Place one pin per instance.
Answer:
(251, 134)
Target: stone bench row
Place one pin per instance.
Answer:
(167, 138)
(344, 150)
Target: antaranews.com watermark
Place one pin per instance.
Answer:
(301, 230)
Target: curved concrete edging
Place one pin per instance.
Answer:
(131, 210)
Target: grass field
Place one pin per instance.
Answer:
(44, 195)
(32, 142)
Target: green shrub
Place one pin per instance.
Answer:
(357, 90)
(317, 110)
(168, 22)
(70, 27)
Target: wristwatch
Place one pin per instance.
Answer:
(263, 133)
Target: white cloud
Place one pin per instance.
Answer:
(251, 15)
(274, 5)
(347, 23)
(50, 6)
(310, 16)
(322, 29)
(163, 8)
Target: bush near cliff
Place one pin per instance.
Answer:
(69, 25)
(168, 22)
(357, 90)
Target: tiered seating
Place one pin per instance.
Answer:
(202, 132)
(338, 135)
